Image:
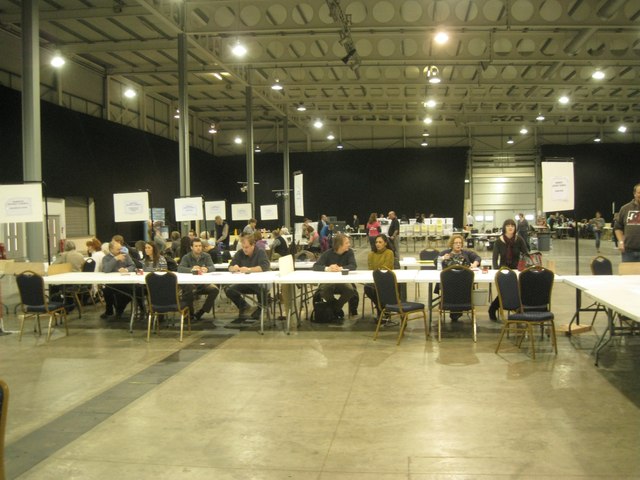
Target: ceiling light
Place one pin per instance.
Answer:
(318, 124)
(622, 128)
(217, 75)
(57, 60)
(213, 129)
(177, 114)
(540, 117)
(237, 140)
(524, 130)
(130, 93)
(277, 86)
(564, 99)
(257, 149)
(428, 120)
(466, 180)
(424, 143)
(597, 139)
(301, 107)
(340, 146)
(238, 49)
(425, 133)
(598, 75)
(441, 37)
(510, 141)
(430, 103)
(331, 136)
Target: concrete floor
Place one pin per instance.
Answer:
(323, 403)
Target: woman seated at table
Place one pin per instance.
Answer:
(383, 258)
(455, 255)
(313, 239)
(152, 260)
(279, 247)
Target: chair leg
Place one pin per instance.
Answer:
(149, 326)
(533, 345)
(474, 325)
(21, 326)
(181, 325)
(426, 327)
(51, 319)
(440, 325)
(502, 332)
(403, 325)
(64, 321)
(375, 335)
(553, 337)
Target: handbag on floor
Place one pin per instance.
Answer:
(322, 312)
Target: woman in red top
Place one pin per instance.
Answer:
(373, 230)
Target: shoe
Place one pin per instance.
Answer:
(455, 316)
(106, 315)
(197, 316)
(339, 314)
(492, 314)
(256, 314)
(247, 311)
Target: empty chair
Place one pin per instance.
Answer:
(599, 266)
(164, 297)
(536, 284)
(512, 313)
(390, 304)
(34, 302)
(456, 286)
(428, 261)
(4, 408)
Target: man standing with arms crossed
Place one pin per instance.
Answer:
(627, 228)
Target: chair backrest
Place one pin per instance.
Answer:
(508, 289)
(456, 285)
(4, 408)
(386, 287)
(162, 289)
(285, 264)
(31, 288)
(536, 284)
(629, 268)
(601, 266)
(89, 265)
(58, 268)
(429, 255)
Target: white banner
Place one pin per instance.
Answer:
(557, 186)
(268, 212)
(298, 196)
(21, 203)
(131, 207)
(188, 209)
(213, 209)
(240, 211)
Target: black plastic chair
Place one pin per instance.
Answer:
(512, 313)
(164, 297)
(456, 286)
(390, 304)
(78, 292)
(34, 302)
(536, 284)
(599, 266)
(428, 261)
(4, 408)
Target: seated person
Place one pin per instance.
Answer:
(72, 256)
(116, 296)
(455, 255)
(279, 247)
(246, 260)
(152, 260)
(336, 259)
(197, 262)
(382, 259)
(313, 239)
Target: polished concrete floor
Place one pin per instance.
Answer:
(325, 402)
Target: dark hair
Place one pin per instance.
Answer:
(154, 254)
(196, 240)
(508, 221)
(250, 237)
(388, 243)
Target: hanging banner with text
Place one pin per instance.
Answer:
(298, 196)
(21, 203)
(557, 187)
(188, 209)
(269, 212)
(240, 211)
(215, 208)
(131, 207)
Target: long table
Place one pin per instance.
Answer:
(617, 293)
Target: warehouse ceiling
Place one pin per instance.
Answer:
(363, 67)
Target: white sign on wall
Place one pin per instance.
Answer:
(215, 208)
(21, 203)
(131, 207)
(268, 212)
(188, 209)
(240, 211)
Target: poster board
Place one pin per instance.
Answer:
(131, 207)
(240, 211)
(269, 212)
(215, 208)
(188, 209)
(298, 195)
(21, 203)
(557, 186)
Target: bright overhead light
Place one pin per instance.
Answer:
(213, 129)
(257, 149)
(622, 128)
(428, 120)
(301, 107)
(441, 37)
(564, 99)
(510, 141)
(318, 124)
(524, 130)
(433, 73)
(425, 133)
(237, 140)
(217, 75)
(130, 93)
(277, 86)
(177, 114)
(424, 143)
(430, 103)
(238, 49)
(598, 75)
(340, 146)
(540, 117)
(597, 139)
(331, 136)
(57, 60)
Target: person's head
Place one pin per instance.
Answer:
(382, 243)
(391, 215)
(248, 244)
(309, 229)
(341, 243)
(598, 214)
(175, 236)
(373, 217)
(93, 245)
(253, 222)
(323, 217)
(118, 238)
(151, 251)
(275, 233)
(521, 216)
(509, 227)
(196, 246)
(456, 243)
(204, 235)
(257, 235)
(636, 192)
(69, 245)
(218, 220)
(140, 245)
(192, 233)
(114, 247)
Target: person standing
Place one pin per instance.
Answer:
(470, 220)
(627, 228)
(373, 230)
(394, 231)
(523, 228)
(250, 228)
(221, 232)
(597, 225)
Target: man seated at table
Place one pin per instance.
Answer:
(198, 262)
(339, 257)
(116, 296)
(246, 260)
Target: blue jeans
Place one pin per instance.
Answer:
(633, 256)
(597, 234)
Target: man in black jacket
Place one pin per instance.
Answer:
(337, 259)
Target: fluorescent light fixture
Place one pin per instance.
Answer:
(277, 86)
(430, 103)
(598, 75)
(57, 60)
(597, 139)
(331, 136)
(441, 37)
(540, 117)
(301, 107)
(433, 73)
(130, 93)
(424, 143)
(622, 128)
(257, 149)
(237, 140)
(479, 218)
(529, 216)
(428, 120)
(425, 133)
(177, 114)
(238, 49)
(466, 180)
(564, 99)
(510, 141)
(213, 129)
(318, 124)
(524, 130)
(217, 75)
(340, 146)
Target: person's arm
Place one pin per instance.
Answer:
(263, 263)
(388, 259)
(109, 263)
(370, 259)
(129, 266)
(474, 258)
(496, 254)
(321, 264)
(208, 263)
(185, 265)
(349, 261)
